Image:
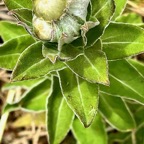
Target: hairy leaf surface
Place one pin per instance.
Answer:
(59, 115)
(94, 134)
(120, 6)
(125, 81)
(91, 65)
(11, 30)
(32, 64)
(81, 96)
(34, 99)
(122, 40)
(116, 113)
(16, 4)
(11, 50)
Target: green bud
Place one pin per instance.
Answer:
(60, 21)
(50, 10)
(42, 29)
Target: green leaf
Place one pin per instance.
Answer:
(116, 113)
(59, 115)
(91, 65)
(10, 51)
(25, 62)
(139, 115)
(94, 134)
(139, 66)
(125, 81)
(139, 135)
(34, 99)
(11, 30)
(122, 40)
(103, 11)
(27, 84)
(132, 18)
(81, 96)
(68, 52)
(138, 112)
(16, 4)
(32, 64)
(120, 6)
(118, 137)
(24, 15)
(133, 106)
(135, 137)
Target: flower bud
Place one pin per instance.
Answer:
(43, 30)
(59, 20)
(49, 10)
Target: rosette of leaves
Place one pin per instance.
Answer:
(78, 57)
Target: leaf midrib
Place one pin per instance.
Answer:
(81, 97)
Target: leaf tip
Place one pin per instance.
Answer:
(106, 82)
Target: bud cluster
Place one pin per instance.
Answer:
(59, 20)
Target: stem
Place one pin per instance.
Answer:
(133, 137)
(132, 4)
(4, 117)
(18, 94)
